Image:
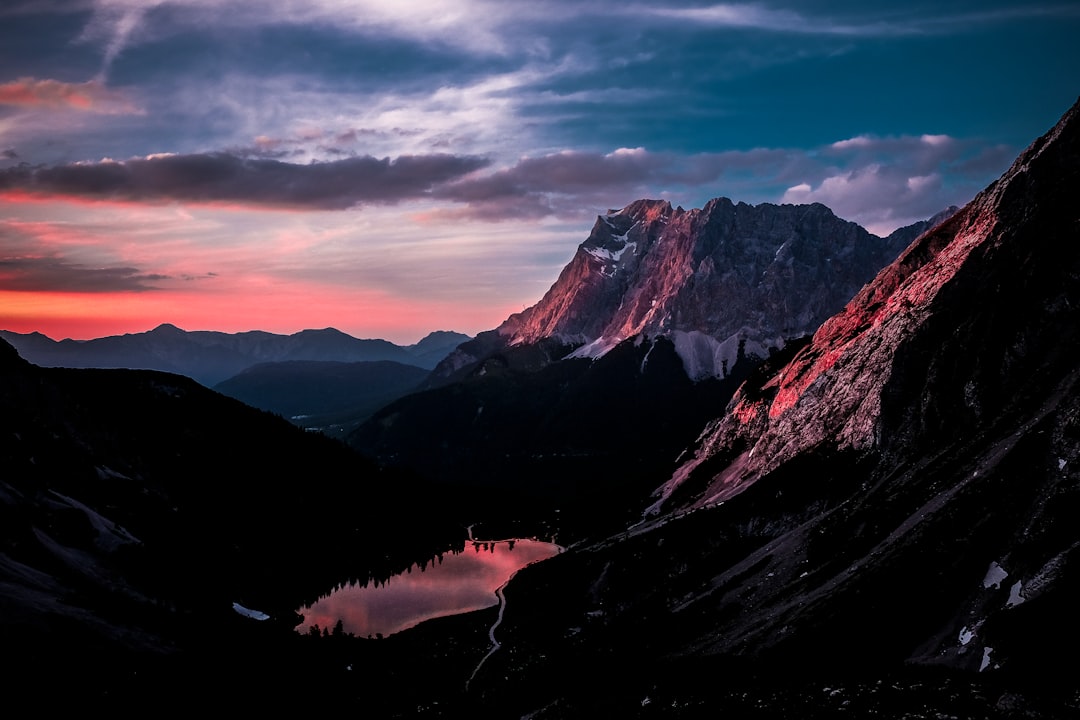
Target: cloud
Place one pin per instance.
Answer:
(887, 182)
(52, 274)
(758, 17)
(880, 182)
(746, 16)
(89, 96)
(532, 188)
(880, 198)
(221, 178)
(575, 183)
(473, 25)
(53, 257)
(753, 16)
(298, 118)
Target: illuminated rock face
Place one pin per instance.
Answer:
(713, 280)
(968, 315)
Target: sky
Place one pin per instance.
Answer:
(391, 168)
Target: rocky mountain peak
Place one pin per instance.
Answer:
(725, 279)
(167, 329)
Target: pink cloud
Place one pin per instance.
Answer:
(89, 96)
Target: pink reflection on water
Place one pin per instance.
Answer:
(462, 582)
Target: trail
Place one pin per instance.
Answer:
(495, 645)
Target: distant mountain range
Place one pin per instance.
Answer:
(326, 395)
(212, 357)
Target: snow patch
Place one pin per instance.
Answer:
(249, 613)
(597, 348)
(1062, 463)
(966, 635)
(703, 356)
(994, 575)
(987, 651)
(611, 255)
(645, 360)
(1015, 596)
(105, 472)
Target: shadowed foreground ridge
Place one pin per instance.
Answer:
(901, 494)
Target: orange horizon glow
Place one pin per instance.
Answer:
(360, 313)
(80, 268)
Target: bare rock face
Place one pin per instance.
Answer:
(1000, 270)
(710, 279)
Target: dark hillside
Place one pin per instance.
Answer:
(136, 507)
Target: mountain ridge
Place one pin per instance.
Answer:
(211, 357)
(714, 280)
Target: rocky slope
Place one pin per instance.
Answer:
(948, 335)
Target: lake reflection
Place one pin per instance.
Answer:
(461, 582)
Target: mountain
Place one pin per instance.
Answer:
(584, 438)
(587, 397)
(434, 347)
(715, 281)
(211, 357)
(881, 523)
(327, 395)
